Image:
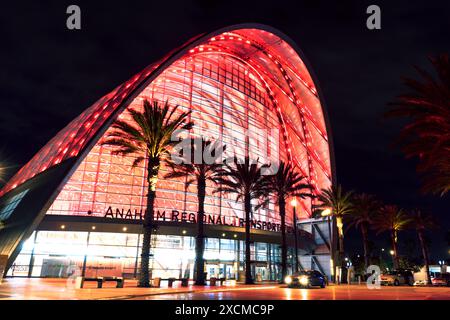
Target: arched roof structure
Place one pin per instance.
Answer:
(276, 61)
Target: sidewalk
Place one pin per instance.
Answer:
(63, 289)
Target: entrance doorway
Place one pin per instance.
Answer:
(225, 270)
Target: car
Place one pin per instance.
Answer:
(306, 279)
(441, 279)
(397, 277)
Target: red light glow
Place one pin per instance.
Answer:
(247, 78)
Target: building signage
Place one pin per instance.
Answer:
(190, 217)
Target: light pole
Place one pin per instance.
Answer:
(294, 205)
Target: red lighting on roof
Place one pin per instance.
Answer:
(267, 69)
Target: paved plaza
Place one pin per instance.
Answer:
(63, 289)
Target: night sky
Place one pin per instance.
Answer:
(50, 74)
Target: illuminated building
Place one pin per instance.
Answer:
(80, 207)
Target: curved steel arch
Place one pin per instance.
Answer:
(124, 94)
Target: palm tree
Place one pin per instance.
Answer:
(199, 171)
(422, 223)
(244, 178)
(148, 137)
(287, 182)
(366, 206)
(338, 204)
(392, 219)
(427, 135)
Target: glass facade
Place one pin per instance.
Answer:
(213, 88)
(245, 81)
(62, 254)
(247, 88)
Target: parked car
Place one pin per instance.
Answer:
(441, 279)
(398, 277)
(306, 279)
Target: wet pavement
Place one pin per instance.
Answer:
(342, 292)
(57, 289)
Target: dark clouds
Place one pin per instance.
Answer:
(49, 74)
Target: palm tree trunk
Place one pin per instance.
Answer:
(340, 227)
(144, 275)
(425, 255)
(248, 264)
(200, 240)
(395, 257)
(365, 238)
(144, 279)
(282, 205)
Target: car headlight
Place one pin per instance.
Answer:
(304, 280)
(288, 280)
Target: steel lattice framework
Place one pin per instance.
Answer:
(241, 77)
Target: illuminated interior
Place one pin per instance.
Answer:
(62, 254)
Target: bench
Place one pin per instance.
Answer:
(184, 282)
(213, 281)
(118, 280)
(100, 280)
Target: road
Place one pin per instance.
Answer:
(342, 292)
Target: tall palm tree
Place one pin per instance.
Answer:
(148, 137)
(199, 171)
(339, 203)
(427, 135)
(244, 178)
(391, 219)
(366, 206)
(422, 223)
(286, 183)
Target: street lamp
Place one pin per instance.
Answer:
(326, 212)
(392, 252)
(294, 206)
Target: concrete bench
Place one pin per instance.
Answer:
(213, 281)
(79, 283)
(184, 282)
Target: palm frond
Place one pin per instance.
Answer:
(427, 135)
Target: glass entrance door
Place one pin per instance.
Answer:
(212, 270)
(261, 273)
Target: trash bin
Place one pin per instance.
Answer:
(171, 281)
(212, 281)
(156, 282)
(184, 282)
